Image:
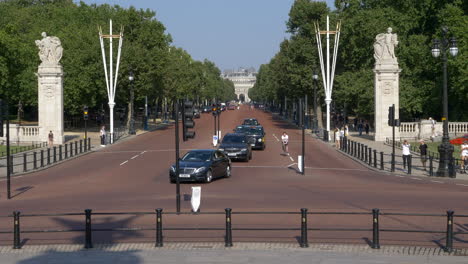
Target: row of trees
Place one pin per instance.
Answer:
(289, 73)
(161, 70)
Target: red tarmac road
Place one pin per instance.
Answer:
(132, 176)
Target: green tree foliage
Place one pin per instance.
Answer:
(160, 71)
(415, 22)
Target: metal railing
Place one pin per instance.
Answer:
(18, 149)
(301, 225)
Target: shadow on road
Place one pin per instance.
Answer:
(88, 256)
(21, 190)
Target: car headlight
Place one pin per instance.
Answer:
(259, 140)
(200, 169)
(221, 149)
(244, 150)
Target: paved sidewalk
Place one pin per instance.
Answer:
(273, 253)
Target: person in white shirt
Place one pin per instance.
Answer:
(102, 134)
(406, 153)
(285, 141)
(464, 153)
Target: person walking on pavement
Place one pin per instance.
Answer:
(51, 139)
(285, 141)
(102, 134)
(337, 138)
(406, 153)
(464, 155)
(367, 127)
(423, 153)
(359, 126)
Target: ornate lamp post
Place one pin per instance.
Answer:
(446, 166)
(131, 130)
(315, 78)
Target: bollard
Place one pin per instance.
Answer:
(35, 160)
(159, 236)
(16, 230)
(48, 156)
(76, 148)
(85, 145)
(358, 150)
(71, 149)
(89, 143)
(25, 164)
(88, 238)
(351, 152)
(81, 146)
(228, 237)
(66, 151)
(42, 158)
(431, 168)
(375, 158)
(365, 153)
(375, 229)
(304, 241)
(381, 161)
(60, 152)
(392, 169)
(55, 154)
(409, 164)
(449, 237)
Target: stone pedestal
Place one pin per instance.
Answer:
(50, 84)
(386, 93)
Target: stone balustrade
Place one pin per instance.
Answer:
(423, 129)
(22, 133)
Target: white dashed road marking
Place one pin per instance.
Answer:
(291, 158)
(292, 164)
(135, 156)
(400, 176)
(437, 181)
(123, 162)
(276, 137)
(462, 185)
(416, 179)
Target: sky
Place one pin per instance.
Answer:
(231, 33)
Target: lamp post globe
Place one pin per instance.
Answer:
(440, 47)
(131, 78)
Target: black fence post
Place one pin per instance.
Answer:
(81, 146)
(71, 149)
(16, 230)
(48, 156)
(304, 240)
(449, 238)
(55, 154)
(375, 229)
(88, 238)
(66, 151)
(35, 160)
(392, 169)
(365, 153)
(159, 236)
(409, 164)
(375, 158)
(25, 162)
(381, 161)
(85, 145)
(358, 150)
(60, 152)
(76, 148)
(89, 143)
(370, 156)
(42, 158)
(228, 237)
(431, 166)
(351, 148)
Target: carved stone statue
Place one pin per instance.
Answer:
(384, 47)
(50, 49)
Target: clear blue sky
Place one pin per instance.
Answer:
(231, 33)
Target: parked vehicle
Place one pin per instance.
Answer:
(206, 109)
(201, 165)
(255, 133)
(237, 146)
(196, 113)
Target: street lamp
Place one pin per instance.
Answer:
(315, 78)
(131, 77)
(446, 166)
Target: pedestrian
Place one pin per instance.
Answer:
(423, 153)
(359, 126)
(464, 155)
(285, 142)
(433, 122)
(337, 138)
(102, 134)
(406, 153)
(51, 139)
(367, 127)
(346, 131)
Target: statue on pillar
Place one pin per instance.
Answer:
(384, 47)
(50, 49)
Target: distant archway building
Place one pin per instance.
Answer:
(243, 80)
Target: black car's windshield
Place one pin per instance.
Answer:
(251, 122)
(250, 130)
(197, 156)
(234, 139)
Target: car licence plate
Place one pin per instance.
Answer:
(231, 154)
(184, 175)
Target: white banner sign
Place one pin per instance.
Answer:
(196, 198)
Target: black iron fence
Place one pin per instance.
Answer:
(34, 160)
(301, 226)
(23, 148)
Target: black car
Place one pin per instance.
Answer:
(206, 109)
(237, 146)
(255, 133)
(196, 113)
(251, 122)
(202, 165)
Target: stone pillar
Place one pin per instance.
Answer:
(50, 84)
(386, 84)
